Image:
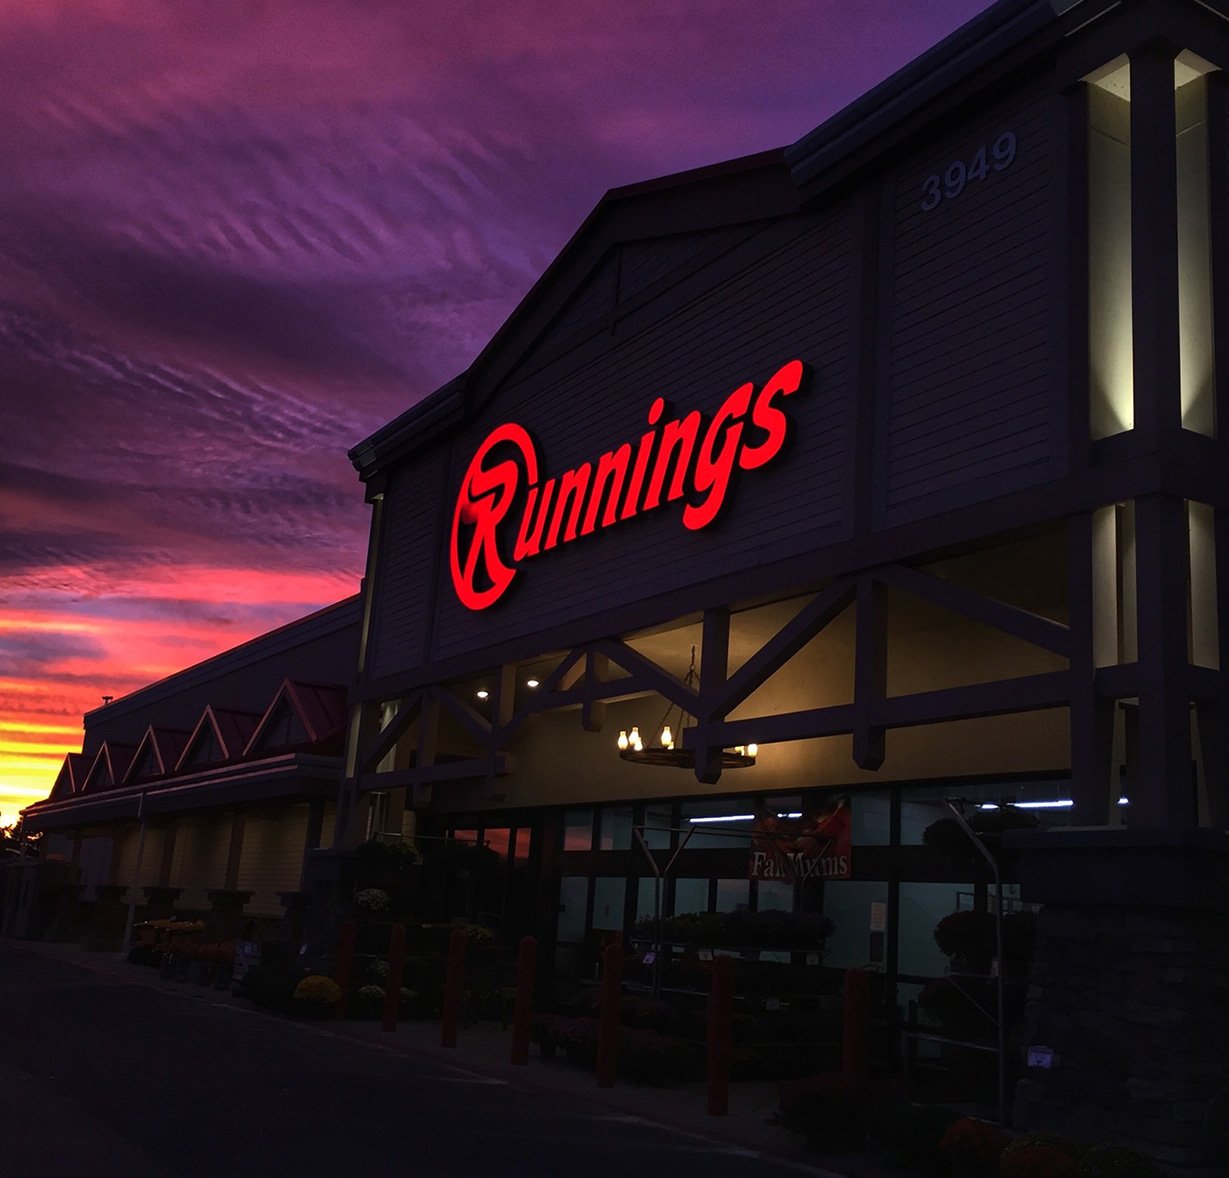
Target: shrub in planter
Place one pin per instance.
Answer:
(1065, 1145)
(372, 853)
(948, 837)
(316, 996)
(1019, 938)
(955, 1008)
(908, 1136)
(831, 1114)
(424, 974)
(576, 1037)
(271, 984)
(368, 1002)
(485, 1000)
(635, 1011)
(648, 1057)
(1117, 1161)
(768, 929)
(1037, 1161)
(967, 935)
(972, 1148)
(372, 900)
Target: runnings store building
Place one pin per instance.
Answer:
(895, 454)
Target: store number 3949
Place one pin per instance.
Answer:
(958, 175)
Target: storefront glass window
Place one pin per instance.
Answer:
(872, 816)
(1048, 802)
(657, 823)
(690, 895)
(922, 906)
(733, 894)
(719, 822)
(497, 839)
(774, 894)
(608, 896)
(646, 902)
(615, 828)
(847, 903)
(573, 898)
(578, 830)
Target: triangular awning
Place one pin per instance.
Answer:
(70, 778)
(157, 754)
(108, 768)
(220, 735)
(300, 715)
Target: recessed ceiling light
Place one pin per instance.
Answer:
(531, 683)
(483, 694)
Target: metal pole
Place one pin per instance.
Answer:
(136, 876)
(1000, 1028)
(660, 877)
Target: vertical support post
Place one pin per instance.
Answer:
(454, 980)
(714, 667)
(168, 854)
(593, 711)
(608, 1015)
(522, 1011)
(720, 1036)
(392, 979)
(345, 964)
(1072, 308)
(1218, 198)
(126, 945)
(1092, 717)
(1166, 794)
(234, 852)
(870, 673)
(1214, 743)
(853, 1033)
(1154, 243)
(364, 732)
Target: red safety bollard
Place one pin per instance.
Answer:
(720, 1036)
(392, 979)
(522, 1012)
(345, 964)
(453, 982)
(608, 1015)
(853, 1037)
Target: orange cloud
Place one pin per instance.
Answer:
(65, 651)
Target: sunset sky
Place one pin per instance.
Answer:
(235, 238)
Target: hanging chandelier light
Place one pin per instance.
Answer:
(669, 750)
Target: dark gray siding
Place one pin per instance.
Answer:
(634, 266)
(967, 404)
(592, 303)
(406, 559)
(645, 262)
(784, 295)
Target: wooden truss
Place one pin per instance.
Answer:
(583, 679)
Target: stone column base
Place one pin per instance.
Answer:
(1128, 991)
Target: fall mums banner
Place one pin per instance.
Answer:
(815, 846)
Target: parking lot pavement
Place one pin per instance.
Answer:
(480, 1061)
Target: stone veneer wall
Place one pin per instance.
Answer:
(1135, 1004)
(1130, 989)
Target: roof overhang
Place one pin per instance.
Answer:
(293, 775)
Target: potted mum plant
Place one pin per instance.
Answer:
(316, 996)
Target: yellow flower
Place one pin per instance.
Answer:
(317, 988)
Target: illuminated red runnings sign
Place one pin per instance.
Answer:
(505, 514)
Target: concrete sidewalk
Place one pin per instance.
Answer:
(483, 1051)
